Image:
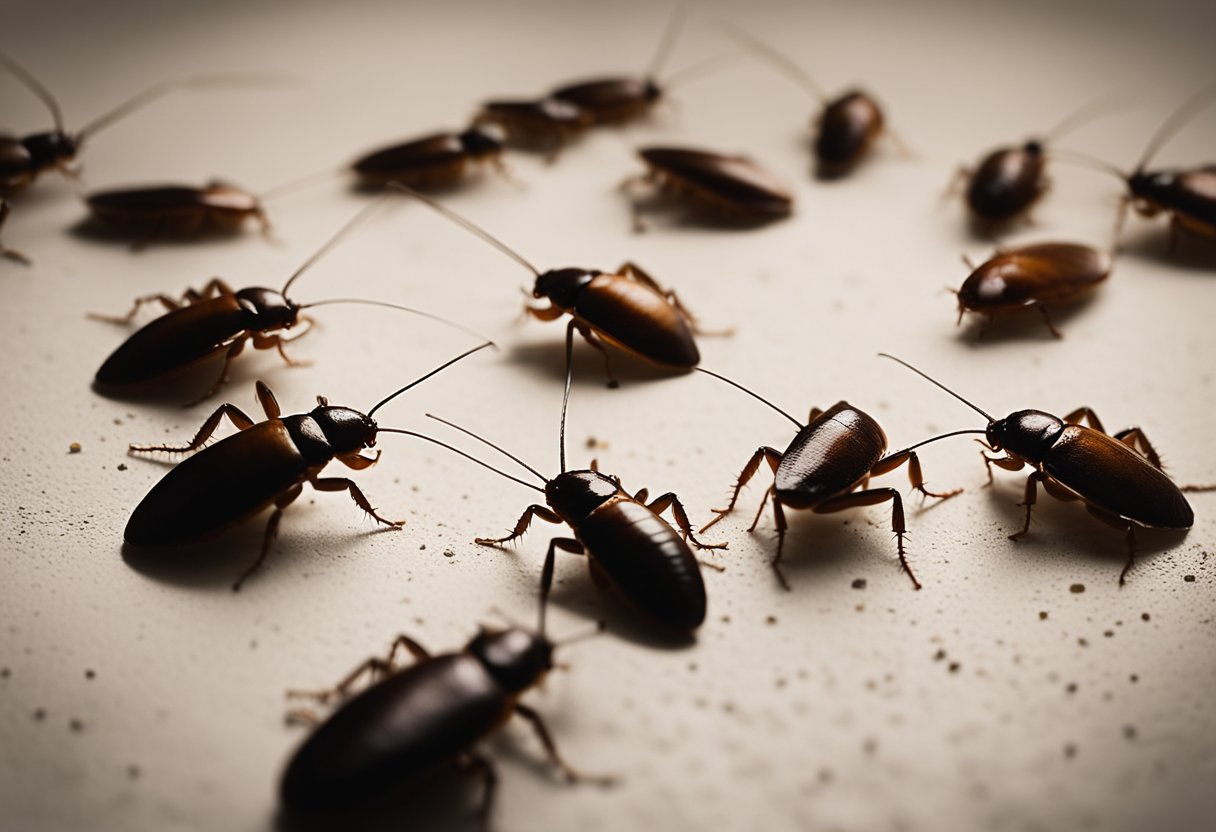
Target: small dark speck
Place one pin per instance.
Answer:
(1070, 751)
(772, 619)
(953, 667)
(860, 607)
(1071, 687)
(1190, 579)
(826, 775)
(122, 466)
(133, 772)
(74, 448)
(1108, 633)
(1043, 616)
(39, 715)
(870, 746)
(939, 655)
(75, 725)
(448, 553)
(1129, 732)
(1077, 589)
(90, 674)
(859, 583)
(1083, 642)
(1144, 616)
(692, 667)
(5, 673)
(1135, 677)
(422, 548)
(726, 619)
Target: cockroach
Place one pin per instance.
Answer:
(265, 463)
(627, 544)
(544, 124)
(733, 188)
(1010, 180)
(217, 320)
(626, 308)
(22, 160)
(1118, 476)
(833, 455)
(1034, 276)
(177, 210)
(1188, 196)
(5, 251)
(628, 97)
(431, 163)
(412, 720)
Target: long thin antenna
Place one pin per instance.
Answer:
(342, 232)
(691, 71)
(397, 306)
(156, 91)
(438, 369)
(934, 381)
(1181, 116)
(299, 184)
(934, 439)
(485, 441)
(755, 396)
(1078, 117)
(467, 224)
(35, 86)
(566, 395)
(1087, 161)
(459, 452)
(783, 64)
(672, 31)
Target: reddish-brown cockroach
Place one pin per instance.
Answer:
(176, 210)
(831, 457)
(1034, 276)
(543, 124)
(264, 464)
(431, 163)
(217, 320)
(717, 186)
(1118, 477)
(626, 308)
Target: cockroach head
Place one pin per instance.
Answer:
(516, 658)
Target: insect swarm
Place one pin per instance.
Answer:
(218, 321)
(414, 719)
(626, 308)
(828, 460)
(1118, 477)
(265, 463)
(845, 129)
(1033, 276)
(713, 185)
(628, 546)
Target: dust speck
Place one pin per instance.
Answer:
(859, 583)
(1077, 589)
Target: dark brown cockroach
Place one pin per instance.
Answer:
(626, 308)
(629, 547)
(1188, 196)
(544, 124)
(1118, 477)
(412, 720)
(1010, 180)
(218, 321)
(23, 159)
(847, 126)
(4, 251)
(1034, 276)
(628, 97)
(265, 463)
(828, 460)
(431, 163)
(176, 210)
(733, 188)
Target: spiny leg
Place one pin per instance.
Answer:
(215, 287)
(779, 522)
(643, 277)
(272, 529)
(375, 667)
(1009, 463)
(483, 768)
(874, 497)
(772, 455)
(594, 340)
(1083, 415)
(344, 484)
(238, 344)
(670, 500)
(1134, 438)
(571, 774)
(1028, 501)
(1047, 320)
(915, 475)
(358, 462)
(276, 342)
(521, 525)
(1122, 525)
(234, 414)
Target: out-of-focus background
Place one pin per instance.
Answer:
(1022, 689)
